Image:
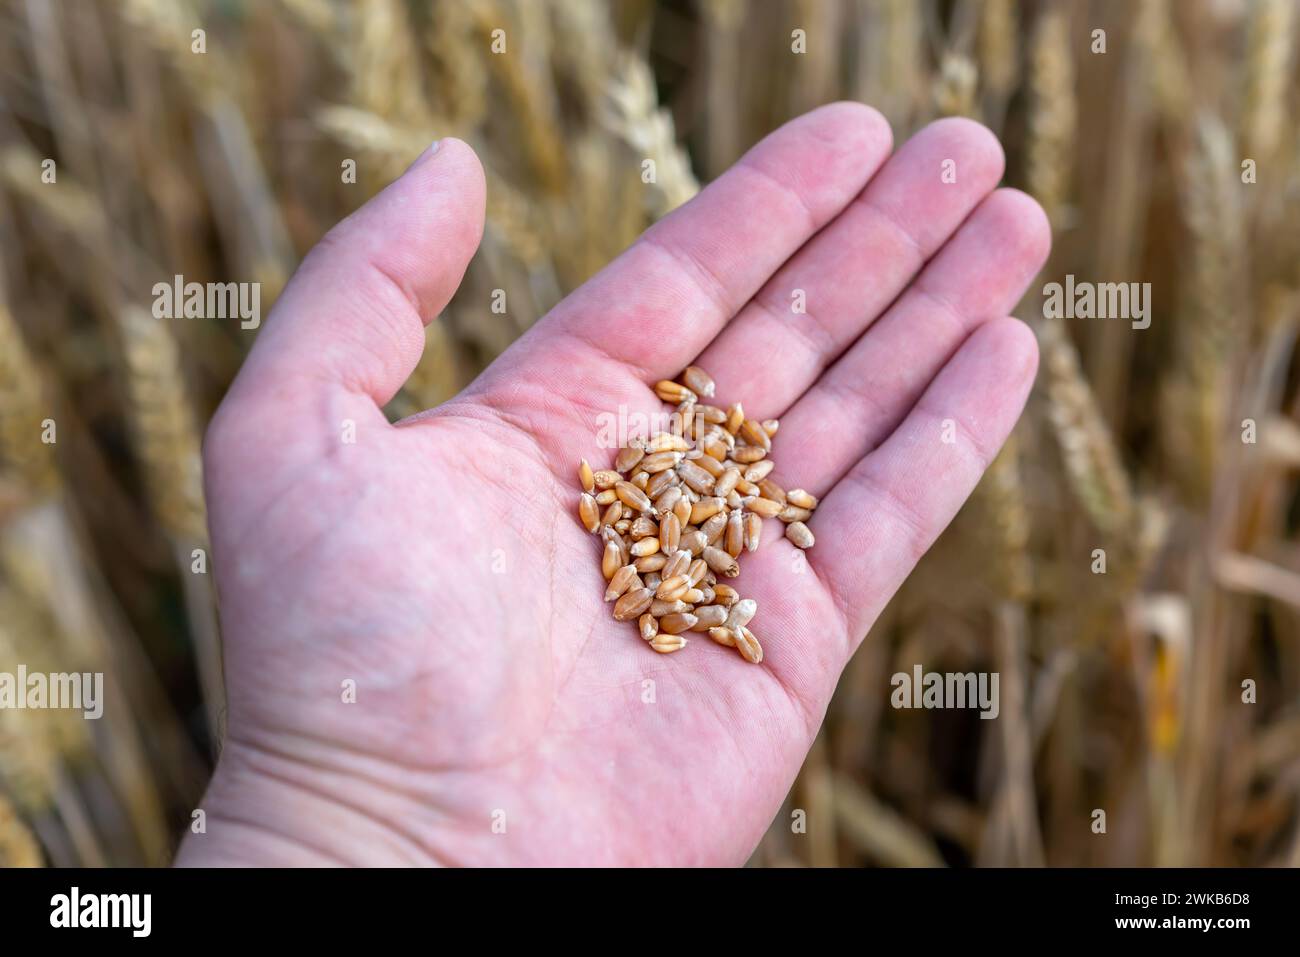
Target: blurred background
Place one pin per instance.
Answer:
(1174, 449)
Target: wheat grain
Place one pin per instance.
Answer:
(797, 532)
(748, 645)
(633, 604)
(683, 511)
(666, 644)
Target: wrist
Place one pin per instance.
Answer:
(264, 809)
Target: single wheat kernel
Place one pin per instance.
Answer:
(753, 531)
(714, 468)
(694, 596)
(659, 607)
(678, 564)
(661, 483)
(673, 588)
(724, 594)
(711, 414)
(726, 483)
(621, 582)
(684, 418)
(661, 461)
(792, 514)
(706, 509)
(735, 539)
(609, 534)
(699, 381)
(667, 442)
(628, 457)
(641, 480)
(735, 416)
(670, 534)
(682, 508)
(723, 636)
(697, 570)
(695, 477)
(693, 541)
(606, 498)
(649, 626)
(801, 499)
(586, 476)
(748, 454)
(676, 623)
(742, 612)
(800, 535)
(633, 497)
(748, 646)
(753, 433)
(770, 426)
(764, 507)
(667, 644)
(641, 527)
(721, 562)
(633, 604)
(759, 470)
(672, 392)
(715, 448)
(709, 616)
(612, 560)
(664, 502)
(606, 478)
(612, 514)
(707, 595)
(714, 526)
(651, 563)
(589, 512)
(770, 490)
(647, 546)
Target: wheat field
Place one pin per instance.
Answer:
(1170, 158)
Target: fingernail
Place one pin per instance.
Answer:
(429, 151)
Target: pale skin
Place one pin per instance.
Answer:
(439, 563)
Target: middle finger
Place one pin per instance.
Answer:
(850, 271)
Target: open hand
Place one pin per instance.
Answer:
(500, 713)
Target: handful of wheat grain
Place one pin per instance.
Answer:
(677, 510)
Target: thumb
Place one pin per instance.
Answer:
(353, 315)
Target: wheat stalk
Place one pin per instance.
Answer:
(1092, 462)
(166, 435)
(999, 61)
(632, 114)
(23, 409)
(457, 52)
(1214, 328)
(1049, 149)
(18, 846)
(1264, 114)
(1002, 496)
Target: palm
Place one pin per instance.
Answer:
(439, 564)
